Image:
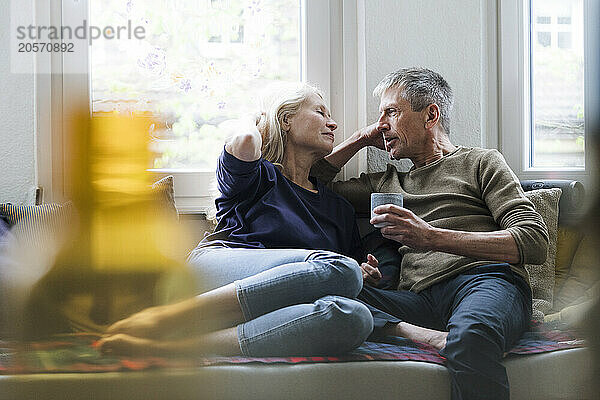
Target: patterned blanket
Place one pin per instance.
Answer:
(76, 353)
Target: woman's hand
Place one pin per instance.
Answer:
(246, 142)
(370, 270)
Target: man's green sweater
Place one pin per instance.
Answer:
(470, 189)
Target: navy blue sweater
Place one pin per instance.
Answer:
(260, 208)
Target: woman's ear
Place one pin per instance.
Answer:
(432, 115)
(285, 122)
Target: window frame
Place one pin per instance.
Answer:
(514, 86)
(334, 28)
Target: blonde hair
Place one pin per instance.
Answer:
(281, 104)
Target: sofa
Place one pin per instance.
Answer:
(564, 287)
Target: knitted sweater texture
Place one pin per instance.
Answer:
(469, 189)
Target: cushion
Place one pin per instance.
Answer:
(541, 276)
(166, 194)
(582, 277)
(4, 229)
(567, 242)
(36, 222)
(24, 256)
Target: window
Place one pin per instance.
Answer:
(544, 39)
(543, 20)
(548, 68)
(557, 87)
(564, 20)
(564, 42)
(200, 65)
(193, 74)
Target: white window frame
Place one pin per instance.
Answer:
(333, 59)
(514, 102)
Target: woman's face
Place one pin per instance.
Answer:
(311, 128)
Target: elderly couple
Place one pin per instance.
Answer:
(284, 271)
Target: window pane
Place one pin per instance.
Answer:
(564, 20)
(543, 20)
(557, 87)
(200, 64)
(564, 40)
(544, 38)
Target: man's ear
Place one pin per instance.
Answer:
(431, 115)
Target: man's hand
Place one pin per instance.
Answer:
(404, 226)
(370, 272)
(372, 136)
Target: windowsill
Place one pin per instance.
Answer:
(555, 169)
(192, 215)
(196, 205)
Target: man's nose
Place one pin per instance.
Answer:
(382, 126)
(332, 125)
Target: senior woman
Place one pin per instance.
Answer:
(276, 276)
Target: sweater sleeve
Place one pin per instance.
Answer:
(502, 192)
(356, 190)
(234, 176)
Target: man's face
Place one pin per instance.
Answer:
(403, 129)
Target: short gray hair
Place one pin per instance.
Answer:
(421, 87)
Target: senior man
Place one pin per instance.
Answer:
(464, 233)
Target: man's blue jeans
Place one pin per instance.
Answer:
(294, 302)
(484, 310)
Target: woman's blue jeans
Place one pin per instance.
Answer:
(294, 302)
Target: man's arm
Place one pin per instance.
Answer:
(410, 230)
(510, 208)
(521, 239)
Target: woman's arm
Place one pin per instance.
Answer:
(246, 144)
(367, 136)
(239, 164)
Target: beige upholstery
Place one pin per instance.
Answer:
(541, 277)
(556, 375)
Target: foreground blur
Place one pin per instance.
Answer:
(114, 249)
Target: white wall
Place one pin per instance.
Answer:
(449, 37)
(17, 122)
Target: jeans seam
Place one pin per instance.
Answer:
(240, 292)
(245, 341)
(242, 342)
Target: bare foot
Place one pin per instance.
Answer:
(438, 340)
(148, 323)
(121, 344)
(434, 338)
(223, 342)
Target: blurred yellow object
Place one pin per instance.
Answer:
(122, 255)
(122, 228)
